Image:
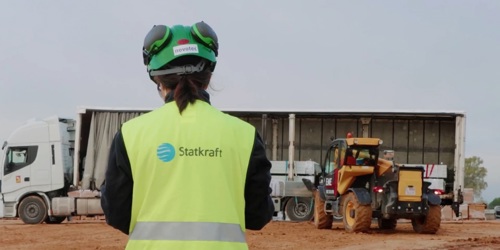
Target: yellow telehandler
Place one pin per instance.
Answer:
(357, 185)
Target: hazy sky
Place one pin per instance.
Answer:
(283, 54)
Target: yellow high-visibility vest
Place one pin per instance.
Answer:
(189, 175)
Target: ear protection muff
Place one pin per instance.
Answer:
(205, 35)
(157, 39)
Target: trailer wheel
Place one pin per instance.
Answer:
(387, 223)
(299, 208)
(430, 223)
(32, 210)
(357, 218)
(54, 219)
(321, 219)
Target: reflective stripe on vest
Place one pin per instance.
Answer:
(202, 231)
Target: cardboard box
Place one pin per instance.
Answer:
(489, 214)
(477, 211)
(468, 194)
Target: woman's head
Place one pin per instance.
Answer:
(185, 88)
(181, 59)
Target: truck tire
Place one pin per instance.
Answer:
(357, 218)
(32, 210)
(54, 219)
(321, 219)
(299, 209)
(429, 224)
(387, 223)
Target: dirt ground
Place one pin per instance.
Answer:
(95, 234)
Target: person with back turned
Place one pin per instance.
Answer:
(186, 175)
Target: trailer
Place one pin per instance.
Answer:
(433, 140)
(53, 168)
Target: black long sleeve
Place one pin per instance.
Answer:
(259, 208)
(116, 192)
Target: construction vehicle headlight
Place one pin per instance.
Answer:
(355, 141)
(380, 142)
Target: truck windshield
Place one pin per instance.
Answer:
(362, 155)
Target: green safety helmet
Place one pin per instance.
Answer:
(163, 45)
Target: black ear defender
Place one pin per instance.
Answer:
(205, 35)
(157, 38)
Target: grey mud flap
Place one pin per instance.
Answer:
(362, 195)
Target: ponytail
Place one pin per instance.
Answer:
(186, 88)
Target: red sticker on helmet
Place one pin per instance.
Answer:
(183, 41)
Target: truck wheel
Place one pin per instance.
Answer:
(321, 219)
(387, 223)
(299, 209)
(32, 210)
(429, 224)
(54, 219)
(357, 218)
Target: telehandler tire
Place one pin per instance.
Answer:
(321, 219)
(429, 224)
(387, 223)
(357, 218)
(32, 210)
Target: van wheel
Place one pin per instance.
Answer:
(32, 210)
(299, 208)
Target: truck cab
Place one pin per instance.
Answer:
(36, 167)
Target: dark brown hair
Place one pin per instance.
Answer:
(186, 88)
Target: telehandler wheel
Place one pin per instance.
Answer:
(32, 210)
(429, 224)
(357, 218)
(54, 219)
(299, 208)
(321, 219)
(387, 223)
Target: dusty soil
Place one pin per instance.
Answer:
(95, 234)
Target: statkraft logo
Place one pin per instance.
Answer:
(166, 152)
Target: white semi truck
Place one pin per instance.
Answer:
(53, 168)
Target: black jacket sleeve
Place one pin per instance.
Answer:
(259, 207)
(116, 192)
